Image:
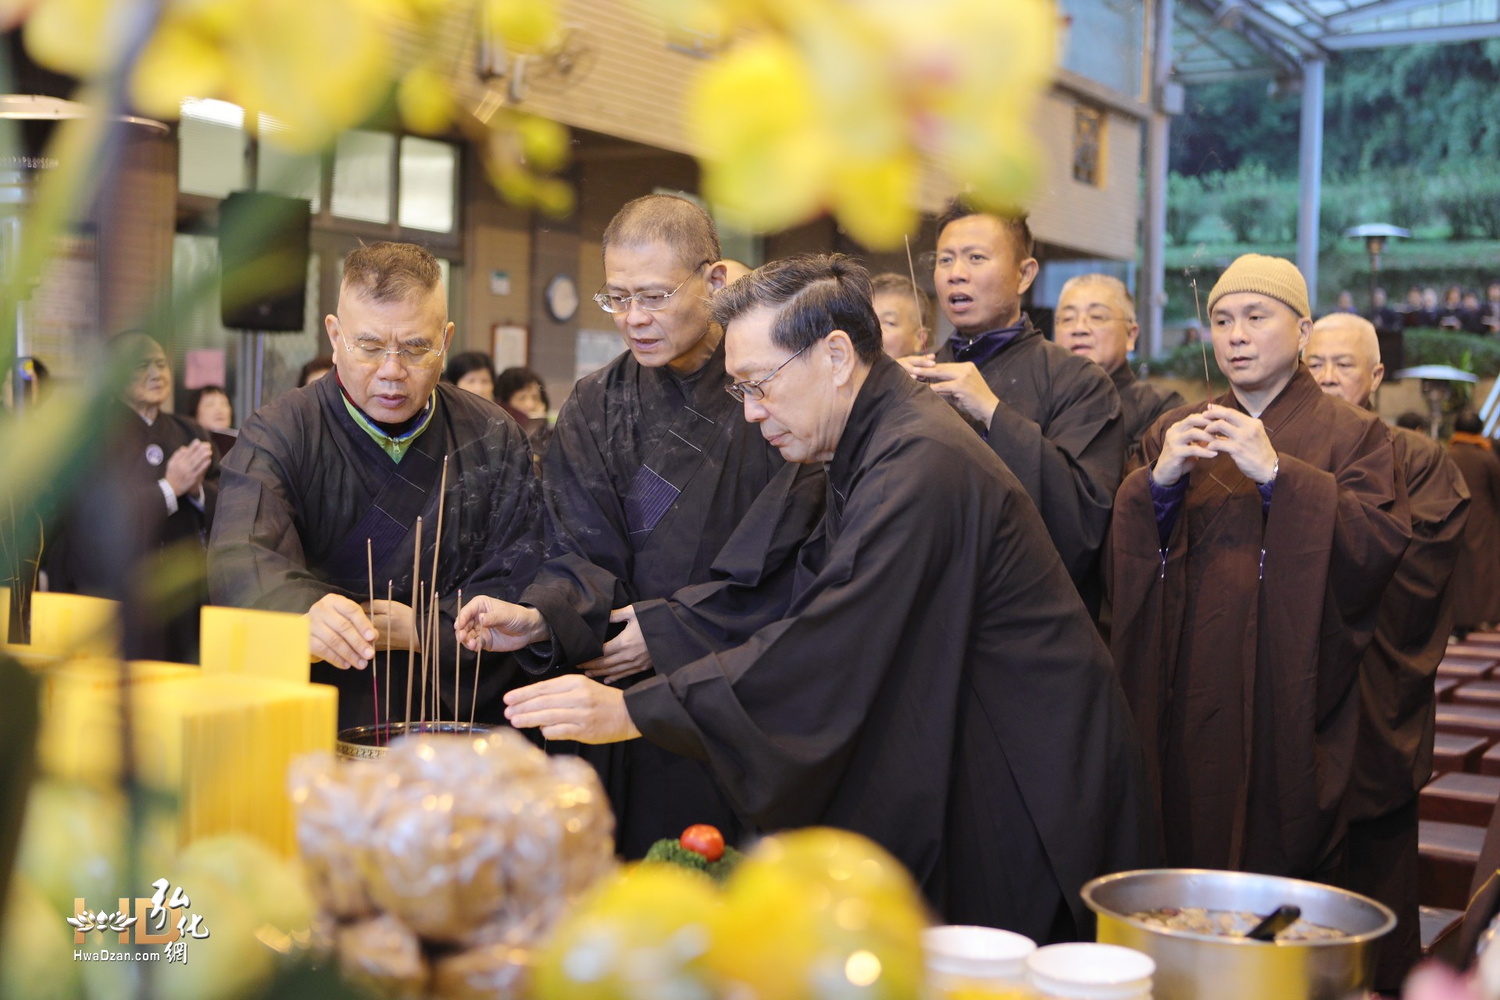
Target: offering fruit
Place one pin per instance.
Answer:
(703, 839)
(640, 936)
(820, 913)
(700, 848)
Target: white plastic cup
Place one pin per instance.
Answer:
(1091, 972)
(959, 957)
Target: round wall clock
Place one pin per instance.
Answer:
(562, 298)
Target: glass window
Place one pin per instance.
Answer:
(1107, 42)
(429, 172)
(362, 167)
(296, 175)
(211, 148)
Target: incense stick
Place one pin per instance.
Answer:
(474, 698)
(374, 680)
(411, 639)
(390, 592)
(457, 652)
(916, 291)
(437, 660)
(422, 716)
(1208, 384)
(432, 591)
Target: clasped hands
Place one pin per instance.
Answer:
(573, 706)
(959, 382)
(1218, 430)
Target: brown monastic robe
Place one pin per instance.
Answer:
(1397, 705)
(1476, 578)
(1239, 642)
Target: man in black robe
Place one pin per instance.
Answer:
(329, 478)
(1248, 561)
(1398, 707)
(1053, 418)
(1096, 319)
(649, 471)
(935, 684)
(143, 515)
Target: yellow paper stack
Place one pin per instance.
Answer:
(219, 738)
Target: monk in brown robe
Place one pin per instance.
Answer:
(1248, 561)
(1476, 578)
(1398, 706)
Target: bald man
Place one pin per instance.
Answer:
(1096, 320)
(1393, 759)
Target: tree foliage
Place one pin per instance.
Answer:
(1413, 107)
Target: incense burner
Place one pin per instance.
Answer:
(372, 742)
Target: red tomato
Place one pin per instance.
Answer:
(703, 839)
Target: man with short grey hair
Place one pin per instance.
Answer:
(1096, 319)
(345, 474)
(649, 471)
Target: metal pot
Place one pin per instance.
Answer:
(1199, 966)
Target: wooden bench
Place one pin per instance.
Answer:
(1466, 668)
(1443, 688)
(1469, 720)
(1455, 752)
(1477, 693)
(1489, 761)
(1447, 855)
(1460, 798)
(1440, 932)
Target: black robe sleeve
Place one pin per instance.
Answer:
(778, 716)
(1072, 466)
(256, 559)
(752, 576)
(589, 554)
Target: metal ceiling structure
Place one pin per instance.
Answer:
(1288, 41)
(1234, 39)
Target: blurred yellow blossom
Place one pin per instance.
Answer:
(834, 105)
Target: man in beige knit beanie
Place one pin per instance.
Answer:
(1248, 562)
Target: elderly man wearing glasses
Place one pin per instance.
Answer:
(339, 483)
(935, 683)
(650, 469)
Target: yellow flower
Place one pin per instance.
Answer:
(425, 100)
(766, 153)
(523, 25)
(177, 62)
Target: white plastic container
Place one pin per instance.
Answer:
(1090, 972)
(961, 957)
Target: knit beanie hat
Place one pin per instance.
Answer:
(1273, 276)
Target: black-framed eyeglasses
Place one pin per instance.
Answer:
(755, 388)
(651, 301)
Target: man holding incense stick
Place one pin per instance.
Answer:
(649, 472)
(1053, 418)
(1248, 561)
(381, 475)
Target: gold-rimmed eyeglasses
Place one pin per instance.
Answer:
(373, 352)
